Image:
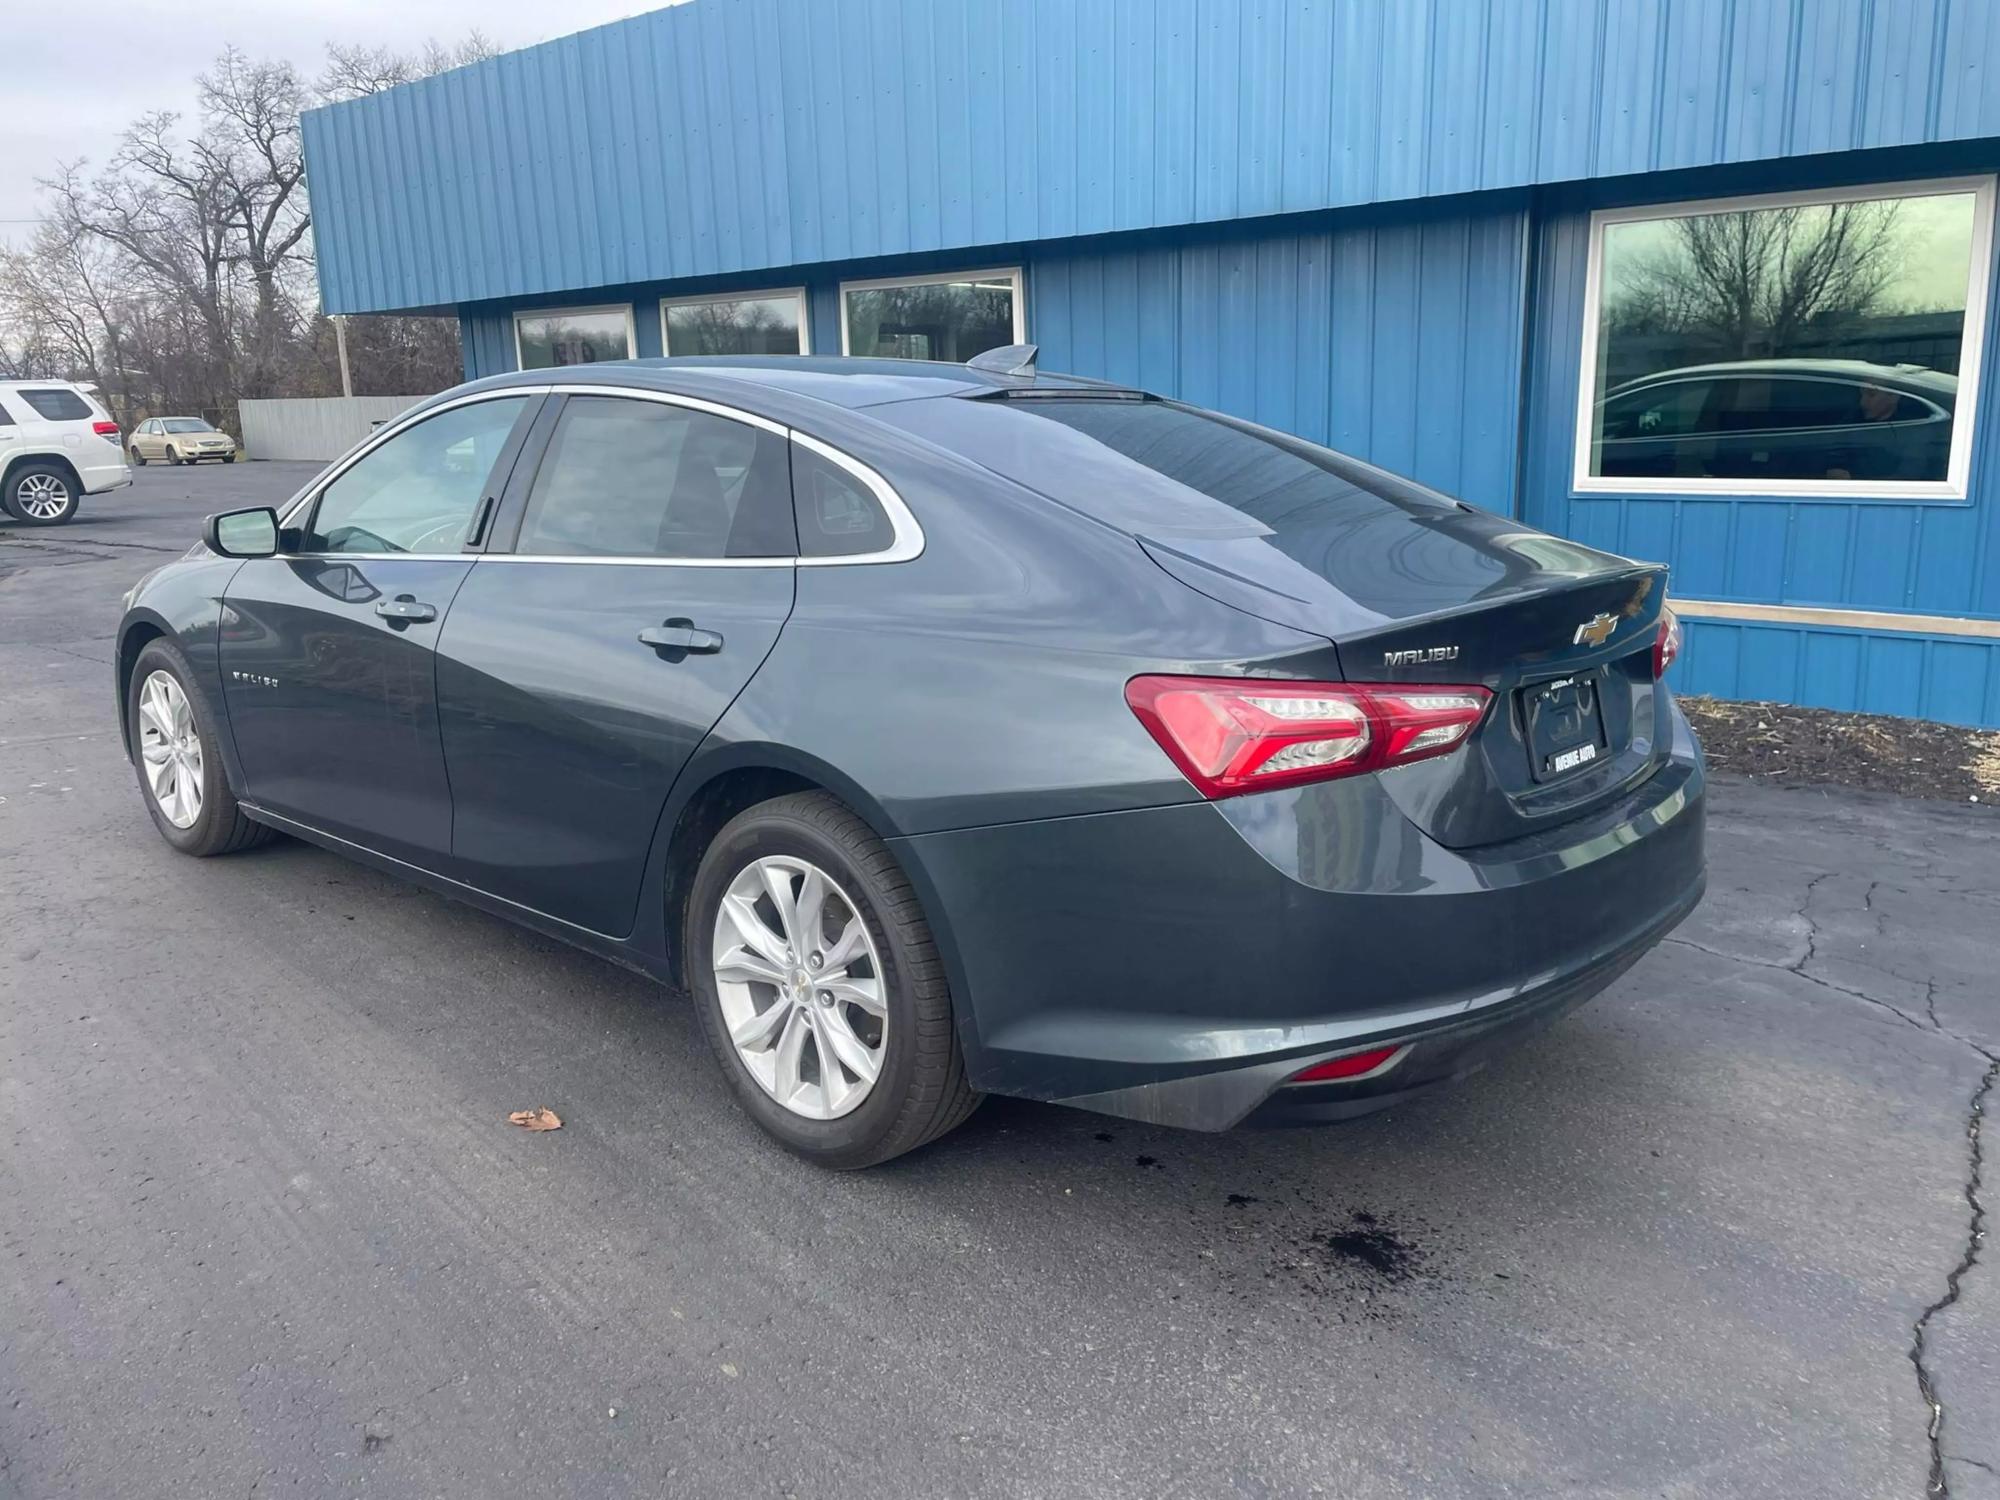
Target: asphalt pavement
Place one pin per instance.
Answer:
(264, 1227)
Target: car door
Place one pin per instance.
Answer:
(640, 576)
(327, 648)
(148, 441)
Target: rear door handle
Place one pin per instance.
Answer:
(681, 635)
(404, 609)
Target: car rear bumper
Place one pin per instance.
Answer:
(97, 478)
(1180, 964)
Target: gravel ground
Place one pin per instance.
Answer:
(264, 1227)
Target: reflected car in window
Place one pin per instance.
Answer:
(949, 730)
(1783, 419)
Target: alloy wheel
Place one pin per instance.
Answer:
(801, 987)
(43, 496)
(170, 746)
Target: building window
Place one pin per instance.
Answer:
(556, 336)
(950, 317)
(738, 323)
(1795, 344)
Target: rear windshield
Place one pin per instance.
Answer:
(57, 406)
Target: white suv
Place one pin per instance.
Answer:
(56, 446)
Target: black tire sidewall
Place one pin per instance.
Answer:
(855, 1138)
(218, 806)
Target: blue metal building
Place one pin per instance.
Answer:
(1487, 243)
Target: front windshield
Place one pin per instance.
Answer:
(185, 424)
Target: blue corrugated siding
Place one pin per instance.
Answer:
(728, 136)
(1399, 342)
(1922, 676)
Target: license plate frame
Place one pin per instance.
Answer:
(1564, 724)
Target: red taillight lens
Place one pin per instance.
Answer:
(1351, 1066)
(1231, 735)
(1667, 644)
(105, 429)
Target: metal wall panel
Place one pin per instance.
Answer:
(727, 136)
(1948, 678)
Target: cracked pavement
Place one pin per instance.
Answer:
(262, 1224)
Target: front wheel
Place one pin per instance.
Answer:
(820, 986)
(40, 494)
(229, 458)
(174, 458)
(173, 748)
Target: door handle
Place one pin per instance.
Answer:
(405, 610)
(681, 635)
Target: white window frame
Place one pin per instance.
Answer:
(631, 326)
(754, 294)
(1965, 410)
(998, 273)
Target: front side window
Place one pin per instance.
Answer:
(645, 479)
(765, 323)
(419, 490)
(1799, 344)
(572, 336)
(932, 317)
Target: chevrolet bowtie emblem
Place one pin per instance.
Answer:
(1595, 632)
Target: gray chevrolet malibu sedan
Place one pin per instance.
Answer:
(949, 731)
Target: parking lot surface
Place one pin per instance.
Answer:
(263, 1227)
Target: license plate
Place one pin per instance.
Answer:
(1565, 725)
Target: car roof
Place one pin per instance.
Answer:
(838, 380)
(1911, 377)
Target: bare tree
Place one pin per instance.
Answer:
(250, 144)
(354, 71)
(1755, 283)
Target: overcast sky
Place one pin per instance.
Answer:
(75, 75)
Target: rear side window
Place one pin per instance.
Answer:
(58, 406)
(626, 478)
(839, 516)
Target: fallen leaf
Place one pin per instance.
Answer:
(536, 1119)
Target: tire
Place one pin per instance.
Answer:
(173, 457)
(41, 494)
(920, 1091)
(229, 458)
(138, 458)
(219, 825)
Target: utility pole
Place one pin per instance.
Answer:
(340, 338)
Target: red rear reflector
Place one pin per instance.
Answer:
(105, 429)
(1351, 1066)
(1249, 734)
(1667, 644)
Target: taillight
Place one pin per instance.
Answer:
(105, 429)
(1667, 644)
(1231, 735)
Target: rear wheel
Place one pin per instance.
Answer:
(180, 769)
(138, 458)
(41, 494)
(820, 987)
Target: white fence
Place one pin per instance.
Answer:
(318, 428)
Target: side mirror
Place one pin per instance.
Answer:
(242, 533)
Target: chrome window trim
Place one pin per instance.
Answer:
(909, 534)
